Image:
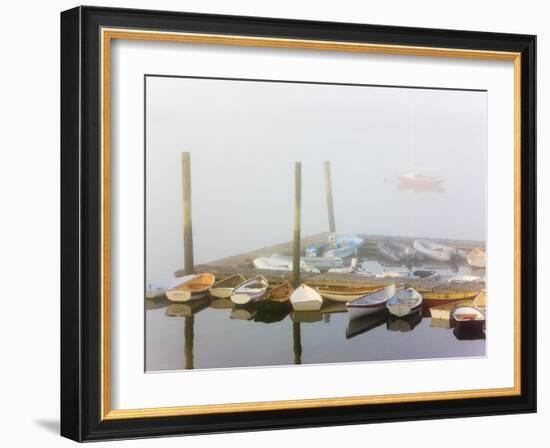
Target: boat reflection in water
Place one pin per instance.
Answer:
(468, 333)
(221, 304)
(186, 309)
(270, 311)
(243, 313)
(405, 323)
(365, 323)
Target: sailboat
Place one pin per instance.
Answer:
(418, 180)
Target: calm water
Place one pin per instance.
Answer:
(213, 334)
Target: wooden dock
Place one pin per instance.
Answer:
(242, 264)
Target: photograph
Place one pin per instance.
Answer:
(301, 223)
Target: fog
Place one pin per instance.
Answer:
(244, 138)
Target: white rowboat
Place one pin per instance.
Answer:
(372, 302)
(305, 298)
(249, 291)
(404, 302)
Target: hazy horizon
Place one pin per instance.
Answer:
(244, 138)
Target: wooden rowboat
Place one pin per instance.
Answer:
(433, 298)
(476, 258)
(444, 312)
(222, 289)
(305, 298)
(281, 293)
(481, 300)
(346, 293)
(194, 288)
(405, 302)
(249, 291)
(371, 303)
(468, 317)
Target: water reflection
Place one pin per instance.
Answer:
(469, 334)
(365, 323)
(189, 342)
(270, 311)
(405, 323)
(270, 329)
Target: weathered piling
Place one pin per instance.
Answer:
(330, 202)
(297, 224)
(188, 266)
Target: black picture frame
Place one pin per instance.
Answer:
(81, 224)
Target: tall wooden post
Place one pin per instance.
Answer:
(188, 265)
(330, 203)
(297, 224)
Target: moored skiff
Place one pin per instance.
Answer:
(305, 298)
(249, 291)
(371, 303)
(194, 288)
(404, 302)
(222, 289)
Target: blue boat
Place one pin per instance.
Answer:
(338, 245)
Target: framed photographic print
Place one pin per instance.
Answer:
(273, 223)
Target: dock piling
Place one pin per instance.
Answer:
(188, 263)
(297, 224)
(330, 202)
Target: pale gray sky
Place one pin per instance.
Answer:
(244, 138)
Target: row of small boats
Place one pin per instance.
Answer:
(330, 255)
(360, 300)
(422, 249)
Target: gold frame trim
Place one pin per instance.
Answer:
(107, 35)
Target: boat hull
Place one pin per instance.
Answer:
(221, 293)
(402, 310)
(356, 312)
(185, 296)
(311, 305)
(249, 291)
(245, 299)
(444, 312)
(305, 298)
